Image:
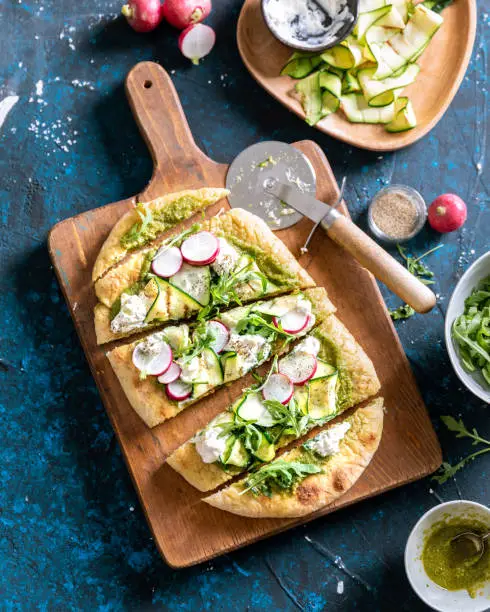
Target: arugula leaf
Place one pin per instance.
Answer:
(471, 331)
(278, 476)
(224, 291)
(402, 312)
(420, 271)
(447, 470)
(201, 340)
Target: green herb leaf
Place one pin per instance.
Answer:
(447, 470)
(278, 476)
(471, 331)
(402, 312)
(420, 271)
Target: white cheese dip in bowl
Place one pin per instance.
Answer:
(310, 25)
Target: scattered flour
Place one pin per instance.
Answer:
(340, 587)
(39, 88)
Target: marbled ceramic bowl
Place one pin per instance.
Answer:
(429, 592)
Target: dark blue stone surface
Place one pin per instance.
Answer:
(72, 535)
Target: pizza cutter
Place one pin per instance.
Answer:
(277, 182)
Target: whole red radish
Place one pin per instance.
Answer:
(183, 13)
(196, 41)
(447, 213)
(143, 15)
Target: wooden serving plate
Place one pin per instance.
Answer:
(443, 66)
(187, 531)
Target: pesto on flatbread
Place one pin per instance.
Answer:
(145, 221)
(172, 368)
(255, 426)
(310, 476)
(250, 263)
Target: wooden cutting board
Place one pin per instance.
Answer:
(187, 531)
(442, 68)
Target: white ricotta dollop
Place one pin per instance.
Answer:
(227, 258)
(190, 369)
(251, 350)
(210, 445)
(132, 314)
(328, 442)
(303, 305)
(308, 345)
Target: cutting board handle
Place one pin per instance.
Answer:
(178, 163)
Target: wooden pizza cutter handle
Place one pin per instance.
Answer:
(380, 263)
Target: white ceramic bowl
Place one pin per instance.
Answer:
(473, 275)
(429, 592)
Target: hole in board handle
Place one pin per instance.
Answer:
(147, 84)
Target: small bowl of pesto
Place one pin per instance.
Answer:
(467, 328)
(438, 569)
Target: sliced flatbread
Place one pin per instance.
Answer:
(352, 380)
(149, 398)
(251, 239)
(310, 493)
(165, 212)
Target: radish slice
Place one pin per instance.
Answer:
(151, 364)
(167, 262)
(279, 387)
(196, 41)
(293, 321)
(299, 367)
(179, 390)
(220, 334)
(171, 374)
(200, 249)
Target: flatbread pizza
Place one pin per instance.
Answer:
(173, 368)
(270, 415)
(147, 220)
(312, 475)
(176, 280)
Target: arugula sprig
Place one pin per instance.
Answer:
(278, 476)
(447, 470)
(416, 267)
(471, 331)
(224, 291)
(201, 339)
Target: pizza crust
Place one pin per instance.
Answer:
(150, 401)
(355, 365)
(340, 472)
(112, 251)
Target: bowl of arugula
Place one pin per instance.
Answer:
(467, 328)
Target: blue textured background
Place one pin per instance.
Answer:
(72, 535)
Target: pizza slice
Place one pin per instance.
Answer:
(323, 375)
(230, 259)
(146, 221)
(172, 368)
(310, 476)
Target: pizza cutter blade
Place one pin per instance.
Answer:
(277, 182)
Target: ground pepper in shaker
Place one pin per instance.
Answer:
(396, 213)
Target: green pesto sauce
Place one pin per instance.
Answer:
(267, 264)
(444, 563)
(330, 353)
(162, 220)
